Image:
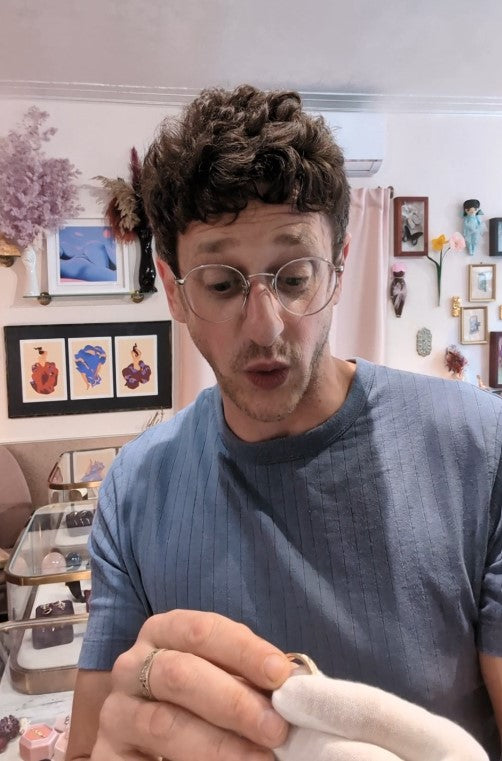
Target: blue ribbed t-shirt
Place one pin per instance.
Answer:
(372, 542)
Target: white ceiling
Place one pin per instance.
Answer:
(411, 55)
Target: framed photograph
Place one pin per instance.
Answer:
(473, 325)
(83, 258)
(495, 371)
(411, 226)
(495, 227)
(77, 369)
(481, 282)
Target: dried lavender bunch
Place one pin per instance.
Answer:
(37, 193)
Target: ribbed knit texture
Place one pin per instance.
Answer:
(373, 542)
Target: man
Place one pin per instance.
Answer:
(306, 503)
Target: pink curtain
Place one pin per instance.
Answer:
(359, 318)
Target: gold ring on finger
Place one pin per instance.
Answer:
(144, 674)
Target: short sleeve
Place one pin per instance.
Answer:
(489, 631)
(118, 609)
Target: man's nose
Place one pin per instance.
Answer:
(262, 322)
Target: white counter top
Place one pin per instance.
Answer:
(35, 708)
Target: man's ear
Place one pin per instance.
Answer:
(173, 292)
(346, 246)
(345, 253)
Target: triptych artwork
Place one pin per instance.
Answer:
(72, 369)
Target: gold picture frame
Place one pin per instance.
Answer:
(482, 282)
(474, 325)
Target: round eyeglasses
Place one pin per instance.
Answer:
(218, 292)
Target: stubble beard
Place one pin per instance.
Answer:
(282, 402)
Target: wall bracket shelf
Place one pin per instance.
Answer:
(44, 297)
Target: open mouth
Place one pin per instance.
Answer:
(268, 378)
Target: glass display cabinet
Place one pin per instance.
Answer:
(78, 474)
(48, 581)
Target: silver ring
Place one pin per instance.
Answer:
(144, 674)
(303, 660)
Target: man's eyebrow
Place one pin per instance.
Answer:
(220, 245)
(215, 246)
(302, 238)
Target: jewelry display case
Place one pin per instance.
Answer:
(48, 581)
(79, 474)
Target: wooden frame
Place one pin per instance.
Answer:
(495, 372)
(97, 367)
(474, 325)
(482, 282)
(411, 226)
(495, 227)
(83, 258)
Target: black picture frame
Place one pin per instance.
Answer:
(140, 385)
(495, 227)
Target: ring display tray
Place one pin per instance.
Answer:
(46, 576)
(51, 669)
(73, 537)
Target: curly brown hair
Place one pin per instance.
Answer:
(230, 147)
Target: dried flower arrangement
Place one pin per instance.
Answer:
(455, 362)
(125, 213)
(38, 193)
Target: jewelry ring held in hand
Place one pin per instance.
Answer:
(303, 660)
(144, 674)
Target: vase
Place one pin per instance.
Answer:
(29, 260)
(398, 289)
(147, 272)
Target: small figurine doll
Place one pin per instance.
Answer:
(473, 224)
(398, 288)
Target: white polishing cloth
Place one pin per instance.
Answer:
(337, 720)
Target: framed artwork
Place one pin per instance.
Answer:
(91, 464)
(77, 369)
(481, 282)
(411, 225)
(495, 371)
(495, 227)
(473, 325)
(83, 258)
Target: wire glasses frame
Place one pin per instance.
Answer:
(218, 292)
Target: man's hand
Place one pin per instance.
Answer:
(208, 690)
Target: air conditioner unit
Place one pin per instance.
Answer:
(361, 137)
